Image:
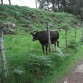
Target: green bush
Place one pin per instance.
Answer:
(57, 57)
(40, 66)
(10, 20)
(72, 44)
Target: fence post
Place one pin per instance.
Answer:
(49, 41)
(75, 36)
(82, 33)
(66, 38)
(4, 62)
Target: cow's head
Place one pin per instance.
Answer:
(35, 35)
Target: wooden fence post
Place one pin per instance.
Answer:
(75, 37)
(66, 37)
(4, 62)
(82, 33)
(49, 41)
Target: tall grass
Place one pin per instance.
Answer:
(27, 63)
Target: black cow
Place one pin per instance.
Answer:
(42, 36)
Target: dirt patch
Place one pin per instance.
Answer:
(75, 75)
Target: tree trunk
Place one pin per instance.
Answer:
(47, 5)
(4, 62)
(53, 6)
(58, 5)
(63, 2)
(2, 2)
(36, 3)
(9, 2)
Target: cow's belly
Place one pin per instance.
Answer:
(45, 42)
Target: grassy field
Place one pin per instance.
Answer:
(26, 61)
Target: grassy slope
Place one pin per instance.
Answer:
(26, 56)
(36, 18)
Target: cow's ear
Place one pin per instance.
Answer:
(35, 32)
(32, 33)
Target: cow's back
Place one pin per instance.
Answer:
(54, 34)
(43, 37)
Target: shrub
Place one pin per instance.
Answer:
(39, 66)
(72, 44)
(57, 57)
(10, 20)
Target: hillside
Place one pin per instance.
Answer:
(35, 17)
(26, 61)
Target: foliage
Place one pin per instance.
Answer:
(72, 44)
(37, 18)
(10, 20)
(64, 26)
(74, 7)
(39, 67)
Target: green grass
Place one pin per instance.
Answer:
(25, 55)
(35, 17)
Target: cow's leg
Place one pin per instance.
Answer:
(43, 49)
(46, 49)
(49, 49)
(55, 44)
(58, 43)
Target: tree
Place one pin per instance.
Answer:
(2, 2)
(53, 4)
(41, 4)
(71, 6)
(44, 4)
(58, 4)
(36, 3)
(9, 2)
(63, 4)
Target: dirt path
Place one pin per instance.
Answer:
(76, 76)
